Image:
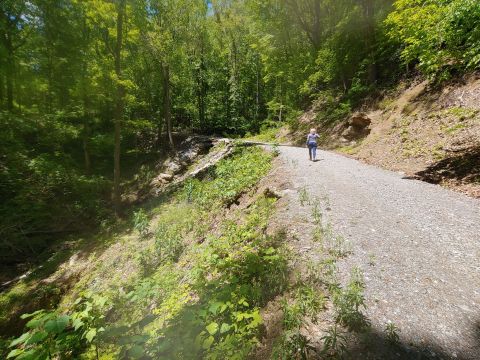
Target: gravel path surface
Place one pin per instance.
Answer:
(417, 244)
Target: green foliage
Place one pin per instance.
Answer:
(44, 187)
(192, 300)
(294, 345)
(88, 318)
(391, 331)
(230, 178)
(334, 344)
(349, 302)
(51, 335)
(231, 330)
(306, 303)
(333, 106)
(292, 315)
(268, 132)
(275, 150)
(168, 242)
(303, 196)
(316, 212)
(441, 36)
(46, 337)
(235, 274)
(141, 222)
(310, 301)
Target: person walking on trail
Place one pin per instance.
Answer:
(312, 144)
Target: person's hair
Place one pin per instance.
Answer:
(313, 130)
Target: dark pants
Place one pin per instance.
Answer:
(312, 150)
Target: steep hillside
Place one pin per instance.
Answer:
(424, 132)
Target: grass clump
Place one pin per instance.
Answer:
(293, 344)
(391, 331)
(303, 196)
(350, 301)
(141, 222)
(306, 302)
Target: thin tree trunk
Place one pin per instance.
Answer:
(8, 26)
(369, 18)
(2, 89)
(49, 104)
(160, 140)
(86, 147)
(201, 93)
(317, 26)
(9, 76)
(86, 108)
(257, 95)
(119, 106)
(167, 103)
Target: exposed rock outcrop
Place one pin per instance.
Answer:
(194, 150)
(358, 127)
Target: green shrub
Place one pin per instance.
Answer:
(349, 302)
(43, 192)
(441, 36)
(168, 242)
(140, 222)
(229, 179)
(195, 301)
(391, 331)
(53, 335)
(334, 344)
(294, 345)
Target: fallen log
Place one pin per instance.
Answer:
(202, 167)
(227, 151)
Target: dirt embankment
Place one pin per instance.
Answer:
(426, 133)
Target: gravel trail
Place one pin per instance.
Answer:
(417, 244)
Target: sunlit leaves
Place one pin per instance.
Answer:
(439, 35)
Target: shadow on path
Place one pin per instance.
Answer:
(375, 345)
(462, 166)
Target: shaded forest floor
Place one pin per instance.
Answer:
(160, 267)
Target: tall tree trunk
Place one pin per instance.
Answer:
(316, 28)
(202, 90)
(86, 106)
(167, 114)
(159, 117)
(119, 106)
(160, 140)
(9, 75)
(2, 88)
(257, 94)
(369, 38)
(86, 142)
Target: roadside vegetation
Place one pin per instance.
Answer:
(323, 317)
(196, 280)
